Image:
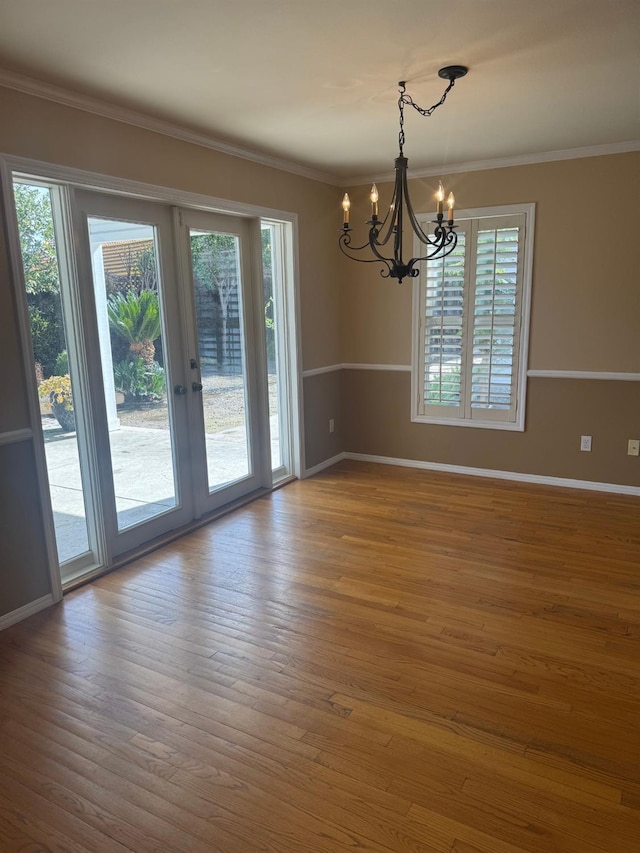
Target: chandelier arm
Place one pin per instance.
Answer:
(441, 251)
(417, 228)
(344, 242)
(396, 204)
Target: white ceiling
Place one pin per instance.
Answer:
(314, 82)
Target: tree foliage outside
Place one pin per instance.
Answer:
(215, 262)
(41, 274)
(138, 268)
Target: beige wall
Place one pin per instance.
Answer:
(376, 411)
(586, 280)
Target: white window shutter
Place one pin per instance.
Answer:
(471, 319)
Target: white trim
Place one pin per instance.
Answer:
(96, 106)
(27, 610)
(610, 376)
(309, 472)
(585, 374)
(316, 371)
(54, 172)
(512, 426)
(538, 479)
(16, 275)
(16, 435)
(502, 162)
(402, 368)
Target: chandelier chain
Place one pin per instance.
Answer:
(407, 99)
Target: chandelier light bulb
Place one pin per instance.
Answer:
(374, 200)
(346, 204)
(440, 197)
(451, 200)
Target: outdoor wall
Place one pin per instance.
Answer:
(46, 131)
(585, 317)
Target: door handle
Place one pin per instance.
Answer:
(196, 386)
(179, 389)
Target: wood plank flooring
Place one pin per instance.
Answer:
(376, 659)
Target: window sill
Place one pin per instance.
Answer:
(462, 422)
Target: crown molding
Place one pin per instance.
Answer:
(502, 162)
(96, 106)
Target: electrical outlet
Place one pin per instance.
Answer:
(332, 425)
(585, 442)
(633, 448)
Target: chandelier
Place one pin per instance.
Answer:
(390, 229)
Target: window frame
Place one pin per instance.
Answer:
(487, 418)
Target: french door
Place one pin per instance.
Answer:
(154, 395)
(174, 362)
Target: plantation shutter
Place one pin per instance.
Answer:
(471, 307)
(443, 306)
(492, 369)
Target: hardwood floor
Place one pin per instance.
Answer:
(376, 659)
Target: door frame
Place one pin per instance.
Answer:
(12, 165)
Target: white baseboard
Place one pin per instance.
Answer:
(539, 479)
(309, 472)
(23, 612)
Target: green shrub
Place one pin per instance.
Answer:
(62, 363)
(47, 336)
(138, 381)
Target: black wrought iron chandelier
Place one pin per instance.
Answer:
(444, 238)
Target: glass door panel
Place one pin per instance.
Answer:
(48, 289)
(138, 355)
(128, 287)
(229, 416)
(276, 347)
(215, 263)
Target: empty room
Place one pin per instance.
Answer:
(320, 426)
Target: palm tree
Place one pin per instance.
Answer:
(136, 317)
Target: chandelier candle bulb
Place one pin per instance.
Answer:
(374, 200)
(451, 200)
(440, 198)
(346, 204)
